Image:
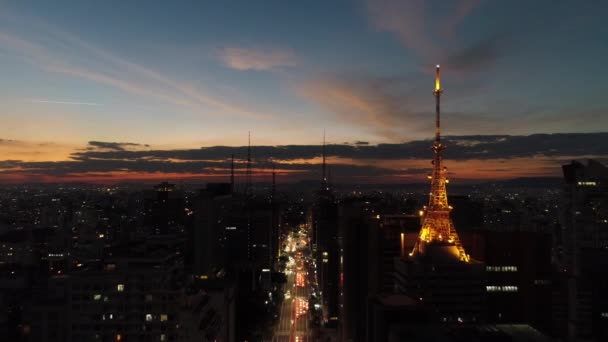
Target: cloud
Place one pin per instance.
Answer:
(114, 146)
(64, 102)
(386, 106)
(101, 66)
(14, 149)
(432, 35)
(480, 55)
(397, 108)
(407, 20)
(468, 157)
(459, 148)
(415, 23)
(257, 59)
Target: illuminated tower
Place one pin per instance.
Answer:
(437, 226)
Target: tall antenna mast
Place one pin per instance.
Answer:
(437, 93)
(248, 186)
(437, 224)
(274, 183)
(324, 180)
(232, 174)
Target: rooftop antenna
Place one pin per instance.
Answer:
(248, 186)
(232, 174)
(274, 182)
(324, 180)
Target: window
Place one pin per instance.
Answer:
(501, 288)
(120, 287)
(97, 296)
(501, 268)
(148, 317)
(164, 317)
(163, 337)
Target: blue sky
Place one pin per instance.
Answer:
(185, 74)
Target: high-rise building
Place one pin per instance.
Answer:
(324, 223)
(518, 275)
(134, 297)
(583, 243)
(358, 257)
(210, 231)
(164, 209)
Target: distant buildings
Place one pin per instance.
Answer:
(135, 297)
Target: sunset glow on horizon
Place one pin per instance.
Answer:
(83, 100)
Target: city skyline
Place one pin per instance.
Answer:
(173, 94)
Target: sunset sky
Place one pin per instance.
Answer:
(112, 91)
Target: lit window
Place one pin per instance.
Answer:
(163, 337)
(501, 268)
(148, 317)
(120, 287)
(604, 314)
(501, 288)
(164, 317)
(97, 296)
(118, 337)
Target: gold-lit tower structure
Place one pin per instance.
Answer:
(437, 226)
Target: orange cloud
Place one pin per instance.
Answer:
(35, 151)
(257, 59)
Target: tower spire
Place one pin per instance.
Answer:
(437, 226)
(437, 93)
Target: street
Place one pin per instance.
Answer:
(294, 316)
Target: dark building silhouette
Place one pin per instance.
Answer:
(518, 275)
(581, 301)
(323, 221)
(164, 208)
(359, 265)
